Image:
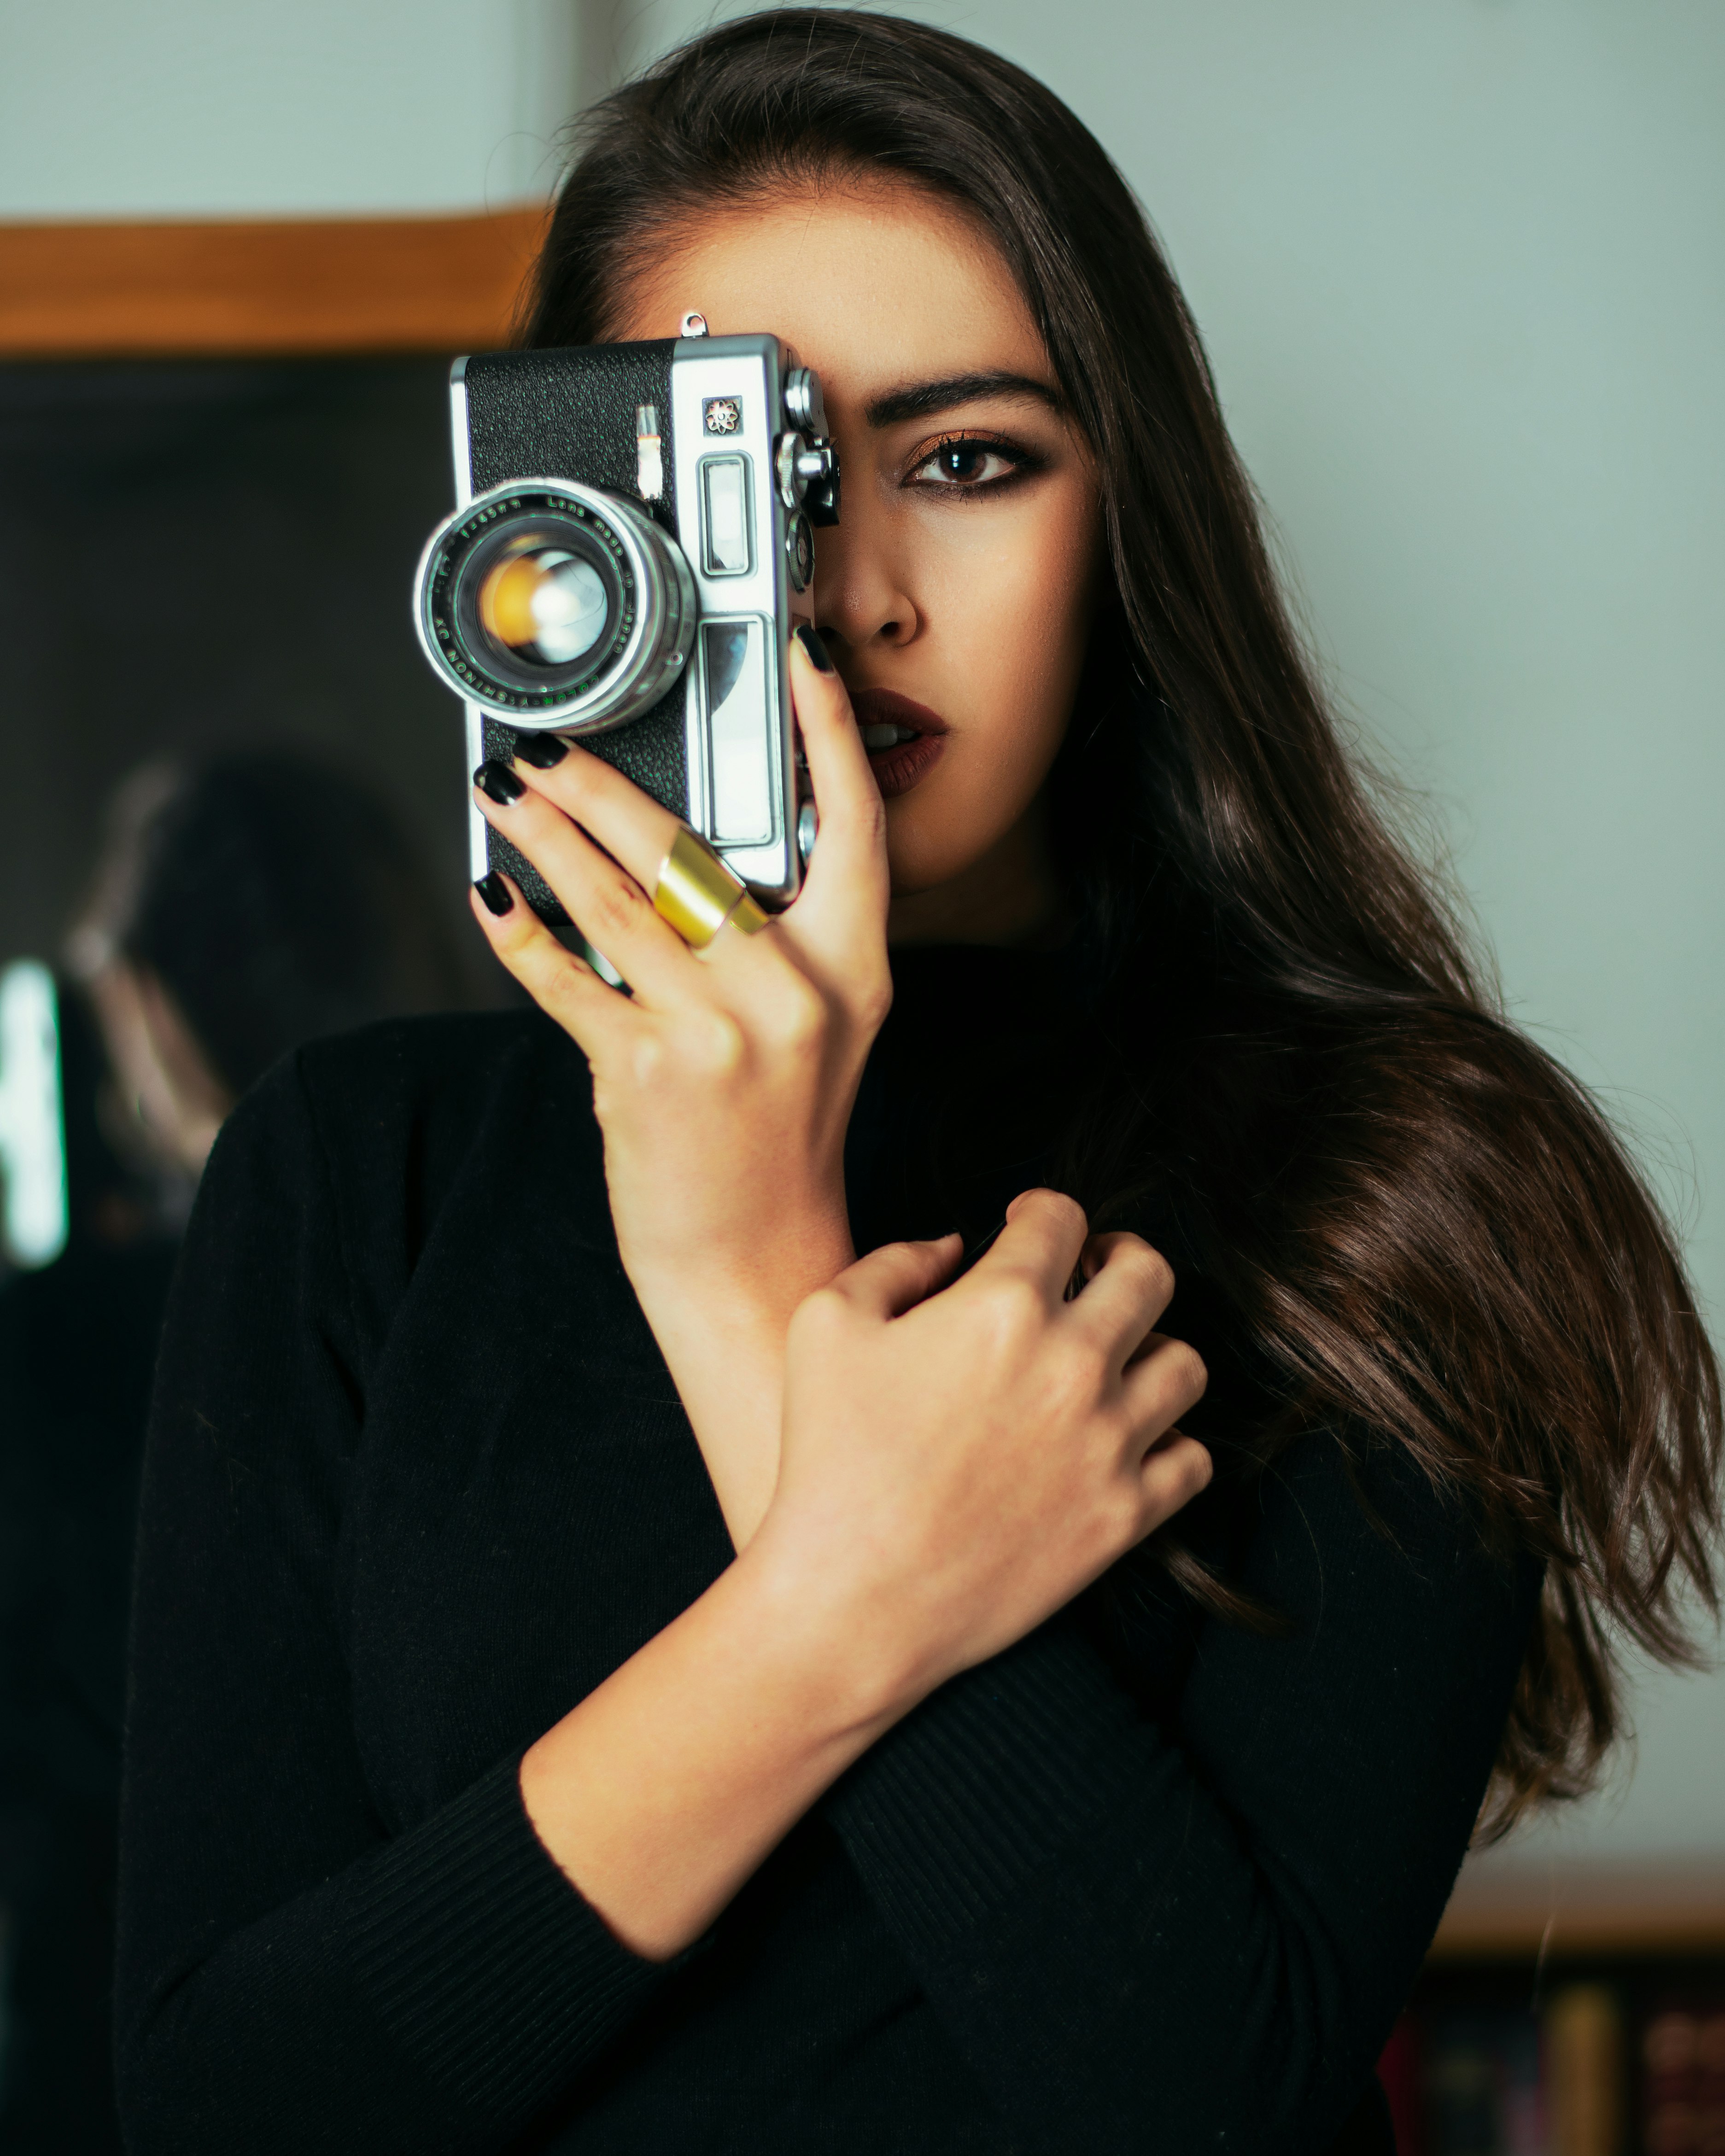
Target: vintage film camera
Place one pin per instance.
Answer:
(630, 552)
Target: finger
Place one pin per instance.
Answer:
(850, 858)
(599, 894)
(1127, 1286)
(1043, 1236)
(636, 830)
(1172, 1475)
(899, 1275)
(563, 985)
(629, 824)
(1166, 1381)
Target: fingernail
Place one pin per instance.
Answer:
(542, 750)
(499, 782)
(497, 895)
(808, 636)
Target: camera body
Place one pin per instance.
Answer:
(630, 554)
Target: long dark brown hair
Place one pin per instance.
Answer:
(1422, 1223)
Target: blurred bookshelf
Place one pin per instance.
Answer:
(1505, 1913)
(1568, 2012)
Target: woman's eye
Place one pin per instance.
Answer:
(966, 463)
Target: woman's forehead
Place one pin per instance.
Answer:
(874, 284)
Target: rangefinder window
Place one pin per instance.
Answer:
(725, 516)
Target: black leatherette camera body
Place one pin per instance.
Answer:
(569, 413)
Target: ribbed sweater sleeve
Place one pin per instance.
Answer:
(292, 1975)
(1207, 1920)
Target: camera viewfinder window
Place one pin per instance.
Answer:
(734, 666)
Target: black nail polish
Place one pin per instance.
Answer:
(496, 894)
(544, 751)
(499, 782)
(808, 636)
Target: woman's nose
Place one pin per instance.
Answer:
(860, 594)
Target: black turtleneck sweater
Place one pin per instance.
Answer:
(419, 1480)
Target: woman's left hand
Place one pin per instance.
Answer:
(723, 1084)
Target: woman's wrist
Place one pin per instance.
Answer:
(755, 1281)
(828, 1641)
(720, 1317)
(867, 1671)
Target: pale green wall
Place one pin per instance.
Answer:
(236, 108)
(1460, 266)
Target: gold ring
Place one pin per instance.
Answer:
(698, 894)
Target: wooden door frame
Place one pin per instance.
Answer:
(264, 288)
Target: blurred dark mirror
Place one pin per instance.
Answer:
(236, 824)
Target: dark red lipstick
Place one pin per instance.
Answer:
(904, 738)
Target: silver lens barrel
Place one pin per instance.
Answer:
(555, 605)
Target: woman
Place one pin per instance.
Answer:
(615, 1670)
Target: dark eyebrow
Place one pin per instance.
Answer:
(919, 400)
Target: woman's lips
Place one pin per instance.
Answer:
(904, 739)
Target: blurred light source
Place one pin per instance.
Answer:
(33, 1153)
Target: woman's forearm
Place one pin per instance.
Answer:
(722, 1330)
(665, 1789)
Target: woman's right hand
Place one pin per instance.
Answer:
(958, 1461)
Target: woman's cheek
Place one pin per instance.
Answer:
(1010, 611)
(1029, 624)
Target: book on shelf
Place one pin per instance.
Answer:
(1595, 2069)
(1681, 2112)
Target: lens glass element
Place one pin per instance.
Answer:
(546, 605)
(530, 600)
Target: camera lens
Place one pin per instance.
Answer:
(545, 605)
(538, 603)
(554, 604)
